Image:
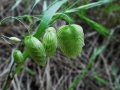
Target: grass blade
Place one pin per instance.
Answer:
(99, 79)
(81, 75)
(87, 6)
(35, 3)
(29, 70)
(114, 71)
(44, 5)
(99, 28)
(46, 19)
(15, 5)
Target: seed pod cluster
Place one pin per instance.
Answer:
(36, 50)
(18, 57)
(50, 41)
(70, 39)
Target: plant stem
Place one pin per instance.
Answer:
(9, 78)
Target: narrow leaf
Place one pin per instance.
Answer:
(47, 17)
(35, 3)
(99, 28)
(29, 71)
(83, 72)
(87, 6)
(44, 5)
(15, 5)
(99, 79)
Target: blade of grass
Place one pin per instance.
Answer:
(29, 71)
(99, 79)
(35, 3)
(91, 5)
(44, 5)
(84, 7)
(113, 7)
(89, 66)
(73, 4)
(114, 71)
(46, 18)
(15, 5)
(26, 4)
(99, 28)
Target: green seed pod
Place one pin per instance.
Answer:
(36, 50)
(18, 57)
(70, 39)
(50, 41)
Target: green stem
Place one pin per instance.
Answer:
(9, 78)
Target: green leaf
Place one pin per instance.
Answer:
(27, 4)
(113, 7)
(35, 3)
(99, 79)
(29, 71)
(44, 5)
(15, 5)
(114, 70)
(99, 28)
(47, 17)
(87, 6)
(99, 50)
(73, 4)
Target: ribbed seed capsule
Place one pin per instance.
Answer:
(70, 39)
(50, 41)
(18, 57)
(36, 50)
